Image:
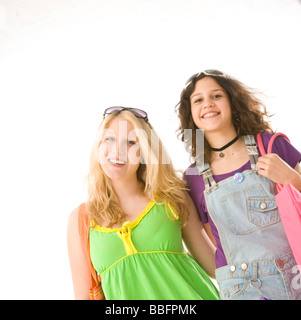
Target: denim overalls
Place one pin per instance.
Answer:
(260, 264)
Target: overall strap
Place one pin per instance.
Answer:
(251, 146)
(209, 180)
(206, 172)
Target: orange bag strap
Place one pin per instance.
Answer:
(83, 228)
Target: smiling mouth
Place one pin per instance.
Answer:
(210, 115)
(114, 161)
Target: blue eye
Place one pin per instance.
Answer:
(109, 139)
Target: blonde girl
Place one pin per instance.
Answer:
(139, 211)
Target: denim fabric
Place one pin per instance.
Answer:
(278, 280)
(259, 259)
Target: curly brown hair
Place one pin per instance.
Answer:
(248, 111)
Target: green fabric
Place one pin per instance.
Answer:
(154, 266)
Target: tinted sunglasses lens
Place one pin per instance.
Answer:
(136, 112)
(113, 110)
(210, 72)
(191, 78)
(139, 113)
(213, 72)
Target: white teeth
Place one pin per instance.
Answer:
(210, 114)
(116, 161)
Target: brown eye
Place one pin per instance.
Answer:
(198, 100)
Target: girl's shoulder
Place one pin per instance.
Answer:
(279, 143)
(266, 137)
(283, 148)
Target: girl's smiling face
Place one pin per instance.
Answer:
(119, 150)
(210, 106)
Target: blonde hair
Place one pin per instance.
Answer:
(160, 180)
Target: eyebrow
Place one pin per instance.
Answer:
(210, 91)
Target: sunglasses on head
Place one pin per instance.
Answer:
(210, 72)
(136, 112)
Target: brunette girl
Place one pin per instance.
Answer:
(233, 186)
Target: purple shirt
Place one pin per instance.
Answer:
(196, 185)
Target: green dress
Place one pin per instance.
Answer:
(145, 260)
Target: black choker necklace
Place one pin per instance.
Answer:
(225, 146)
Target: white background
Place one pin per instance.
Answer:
(62, 62)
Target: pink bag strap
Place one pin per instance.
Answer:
(278, 134)
(260, 144)
(269, 150)
(270, 145)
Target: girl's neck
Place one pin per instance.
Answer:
(127, 188)
(233, 157)
(132, 198)
(220, 138)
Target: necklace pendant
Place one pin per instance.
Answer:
(221, 155)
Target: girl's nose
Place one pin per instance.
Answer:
(118, 150)
(208, 103)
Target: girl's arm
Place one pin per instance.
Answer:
(209, 232)
(273, 167)
(198, 243)
(78, 262)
